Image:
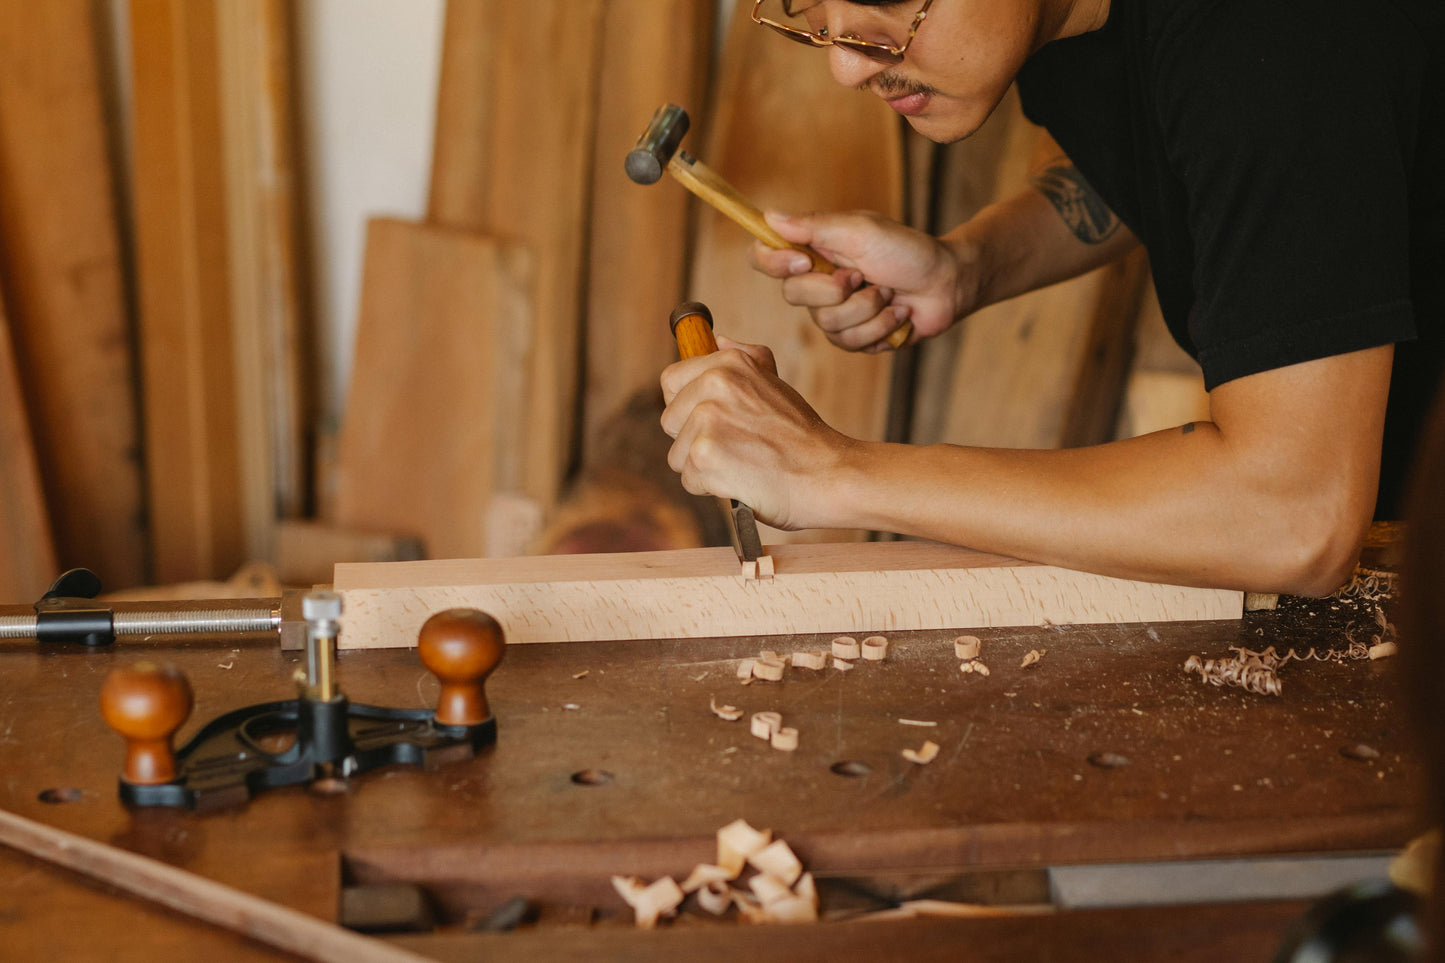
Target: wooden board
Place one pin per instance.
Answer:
(182, 258)
(258, 105)
(653, 52)
(62, 274)
(435, 386)
(698, 593)
(512, 158)
(27, 553)
(789, 137)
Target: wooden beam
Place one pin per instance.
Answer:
(257, 106)
(195, 896)
(27, 554)
(187, 351)
(64, 290)
(698, 593)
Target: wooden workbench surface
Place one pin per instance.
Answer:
(1210, 772)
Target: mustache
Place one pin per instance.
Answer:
(891, 86)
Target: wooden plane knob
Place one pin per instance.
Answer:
(461, 647)
(146, 703)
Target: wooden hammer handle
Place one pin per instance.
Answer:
(709, 185)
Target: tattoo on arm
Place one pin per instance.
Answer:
(1077, 203)
(1187, 429)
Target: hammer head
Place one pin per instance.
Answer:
(647, 161)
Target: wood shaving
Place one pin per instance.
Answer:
(705, 874)
(924, 755)
(736, 842)
(769, 889)
(778, 860)
(980, 669)
(786, 739)
(817, 659)
(662, 898)
(769, 654)
(581, 675)
(1369, 585)
(729, 713)
(745, 668)
(846, 647)
(715, 898)
(769, 669)
(916, 722)
(764, 724)
(966, 668)
(1031, 659)
(875, 648)
(967, 646)
(841, 664)
(1383, 650)
(794, 909)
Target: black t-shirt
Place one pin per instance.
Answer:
(1283, 162)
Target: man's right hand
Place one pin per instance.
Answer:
(887, 274)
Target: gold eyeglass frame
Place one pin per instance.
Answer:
(884, 53)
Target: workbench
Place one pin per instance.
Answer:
(610, 761)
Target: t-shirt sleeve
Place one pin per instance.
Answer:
(1292, 146)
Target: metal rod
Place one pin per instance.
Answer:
(260, 617)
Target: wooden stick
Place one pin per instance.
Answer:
(697, 593)
(196, 896)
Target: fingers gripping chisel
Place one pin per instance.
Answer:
(692, 328)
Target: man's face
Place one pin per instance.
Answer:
(959, 66)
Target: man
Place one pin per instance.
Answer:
(1279, 159)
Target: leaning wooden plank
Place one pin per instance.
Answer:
(698, 593)
(197, 897)
(789, 137)
(27, 554)
(653, 52)
(182, 259)
(61, 263)
(512, 158)
(435, 384)
(261, 176)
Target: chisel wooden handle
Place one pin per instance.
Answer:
(709, 185)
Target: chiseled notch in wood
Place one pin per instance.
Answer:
(698, 593)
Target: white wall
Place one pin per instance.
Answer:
(368, 81)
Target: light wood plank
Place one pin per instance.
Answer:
(789, 137)
(187, 347)
(61, 262)
(653, 52)
(435, 388)
(513, 153)
(699, 593)
(257, 103)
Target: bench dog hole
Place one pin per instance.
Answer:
(592, 777)
(851, 768)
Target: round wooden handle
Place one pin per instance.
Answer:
(461, 647)
(146, 703)
(691, 324)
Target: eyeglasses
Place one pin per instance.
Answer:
(884, 53)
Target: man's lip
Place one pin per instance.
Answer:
(909, 104)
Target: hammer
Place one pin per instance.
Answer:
(656, 150)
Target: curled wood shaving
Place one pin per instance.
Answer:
(736, 842)
(745, 668)
(924, 755)
(581, 675)
(662, 898)
(817, 659)
(875, 648)
(769, 669)
(769, 654)
(916, 722)
(1369, 585)
(1383, 650)
(769, 889)
(1031, 659)
(967, 646)
(841, 664)
(705, 874)
(715, 898)
(778, 860)
(764, 724)
(791, 910)
(966, 668)
(786, 739)
(980, 669)
(1247, 672)
(846, 647)
(730, 713)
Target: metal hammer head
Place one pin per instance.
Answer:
(647, 161)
